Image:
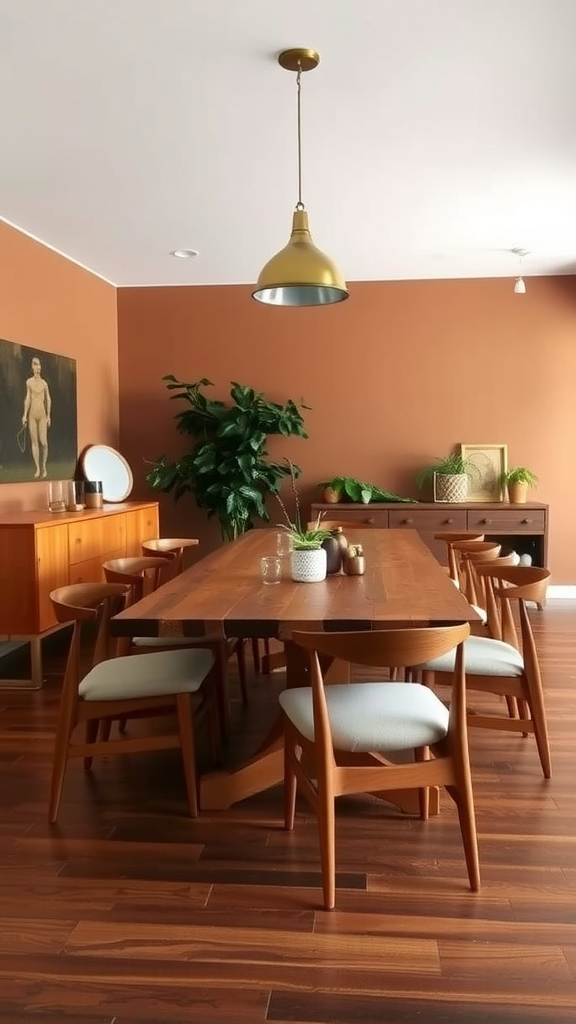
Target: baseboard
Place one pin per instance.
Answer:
(563, 593)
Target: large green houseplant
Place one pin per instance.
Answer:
(227, 467)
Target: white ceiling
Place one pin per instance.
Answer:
(437, 134)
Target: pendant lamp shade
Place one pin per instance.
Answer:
(300, 274)
(520, 286)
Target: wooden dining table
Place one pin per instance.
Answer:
(223, 594)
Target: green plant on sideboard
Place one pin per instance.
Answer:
(520, 475)
(518, 479)
(348, 488)
(227, 467)
(447, 465)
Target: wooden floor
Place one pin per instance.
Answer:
(130, 912)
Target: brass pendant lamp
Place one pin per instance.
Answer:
(300, 274)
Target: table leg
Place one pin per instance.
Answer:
(219, 790)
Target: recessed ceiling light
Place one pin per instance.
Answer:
(184, 254)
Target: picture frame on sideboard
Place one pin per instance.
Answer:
(489, 462)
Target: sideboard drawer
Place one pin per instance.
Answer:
(357, 517)
(506, 520)
(95, 538)
(427, 521)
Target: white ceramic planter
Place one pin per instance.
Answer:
(308, 566)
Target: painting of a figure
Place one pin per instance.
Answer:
(38, 414)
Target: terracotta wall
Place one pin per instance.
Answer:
(50, 303)
(399, 374)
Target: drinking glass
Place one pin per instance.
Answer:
(57, 490)
(75, 496)
(271, 569)
(284, 545)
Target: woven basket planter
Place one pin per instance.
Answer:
(450, 488)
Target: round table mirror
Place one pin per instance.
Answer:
(101, 462)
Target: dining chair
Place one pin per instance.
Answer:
(474, 586)
(449, 538)
(142, 574)
(172, 549)
(481, 550)
(507, 667)
(147, 686)
(338, 738)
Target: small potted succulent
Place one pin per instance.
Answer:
(449, 476)
(518, 480)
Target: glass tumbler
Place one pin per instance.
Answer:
(57, 492)
(284, 545)
(75, 496)
(271, 569)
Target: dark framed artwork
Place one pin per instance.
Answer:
(38, 415)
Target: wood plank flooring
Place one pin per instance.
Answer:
(129, 912)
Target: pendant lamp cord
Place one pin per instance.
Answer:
(299, 204)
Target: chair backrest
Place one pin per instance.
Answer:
(468, 552)
(80, 603)
(505, 584)
(141, 573)
(376, 648)
(171, 548)
(450, 538)
(475, 585)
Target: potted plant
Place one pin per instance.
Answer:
(226, 466)
(348, 488)
(518, 480)
(449, 476)
(308, 558)
(332, 490)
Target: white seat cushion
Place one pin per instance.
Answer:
(147, 675)
(372, 716)
(483, 657)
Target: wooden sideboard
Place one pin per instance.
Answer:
(521, 527)
(40, 551)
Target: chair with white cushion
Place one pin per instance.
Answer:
(172, 549)
(146, 686)
(509, 666)
(143, 574)
(339, 738)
